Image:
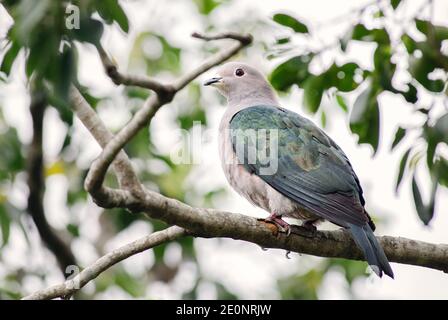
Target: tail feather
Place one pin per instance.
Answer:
(373, 252)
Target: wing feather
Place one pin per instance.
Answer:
(311, 169)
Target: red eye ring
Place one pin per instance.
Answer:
(239, 72)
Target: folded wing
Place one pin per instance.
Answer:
(310, 169)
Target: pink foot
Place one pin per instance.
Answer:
(281, 224)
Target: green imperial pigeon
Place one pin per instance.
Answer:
(284, 164)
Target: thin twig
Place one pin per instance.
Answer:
(122, 165)
(128, 80)
(245, 39)
(105, 262)
(97, 172)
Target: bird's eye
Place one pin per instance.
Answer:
(239, 72)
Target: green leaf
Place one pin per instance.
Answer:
(425, 213)
(313, 91)
(129, 284)
(441, 168)
(301, 286)
(402, 167)
(365, 118)
(341, 102)
(441, 127)
(167, 61)
(341, 77)
(409, 43)
(283, 40)
(399, 135)
(207, 6)
(73, 229)
(159, 252)
(423, 26)
(323, 119)
(9, 294)
(42, 54)
(352, 269)
(187, 120)
(65, 73)
(411, 94)
(395, 3)
(440, 33)
(30, 13)
(292, 71)
(384, 67)
(291, 22)
(430, 151)
(10, 57)
(11, 160)
(361, 33)
(90, 30)
(91, 99)
(121, 218)
(420, 68)
(5, 223)
(223, 293)
(61, 75)
(110, 10)
(435, 135)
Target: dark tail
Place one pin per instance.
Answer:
(373, 252)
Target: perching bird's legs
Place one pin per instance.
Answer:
(281, 224)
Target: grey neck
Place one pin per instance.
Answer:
(249, 98)
(246, 100)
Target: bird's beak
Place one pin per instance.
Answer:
(212, 81)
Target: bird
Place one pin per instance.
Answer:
(283, 163)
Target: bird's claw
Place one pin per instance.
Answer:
(281, 225)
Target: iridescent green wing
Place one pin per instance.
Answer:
(300, 161)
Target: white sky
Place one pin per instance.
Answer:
(243, 267)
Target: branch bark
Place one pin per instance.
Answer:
(36, 185)
(105, 262)
(128, 80)
(209, 223)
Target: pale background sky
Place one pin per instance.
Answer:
(243, 267)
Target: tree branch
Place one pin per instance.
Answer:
(128, 80)
(105, 262)
(122, 165)
(209, 223)
(243, 40)
(36, 185)
(142, 118)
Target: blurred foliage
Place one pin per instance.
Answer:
(41, 34)
(41, 38)
(42, 31)
(427, 66)
(306, 285)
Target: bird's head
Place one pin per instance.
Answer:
(239, 82)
